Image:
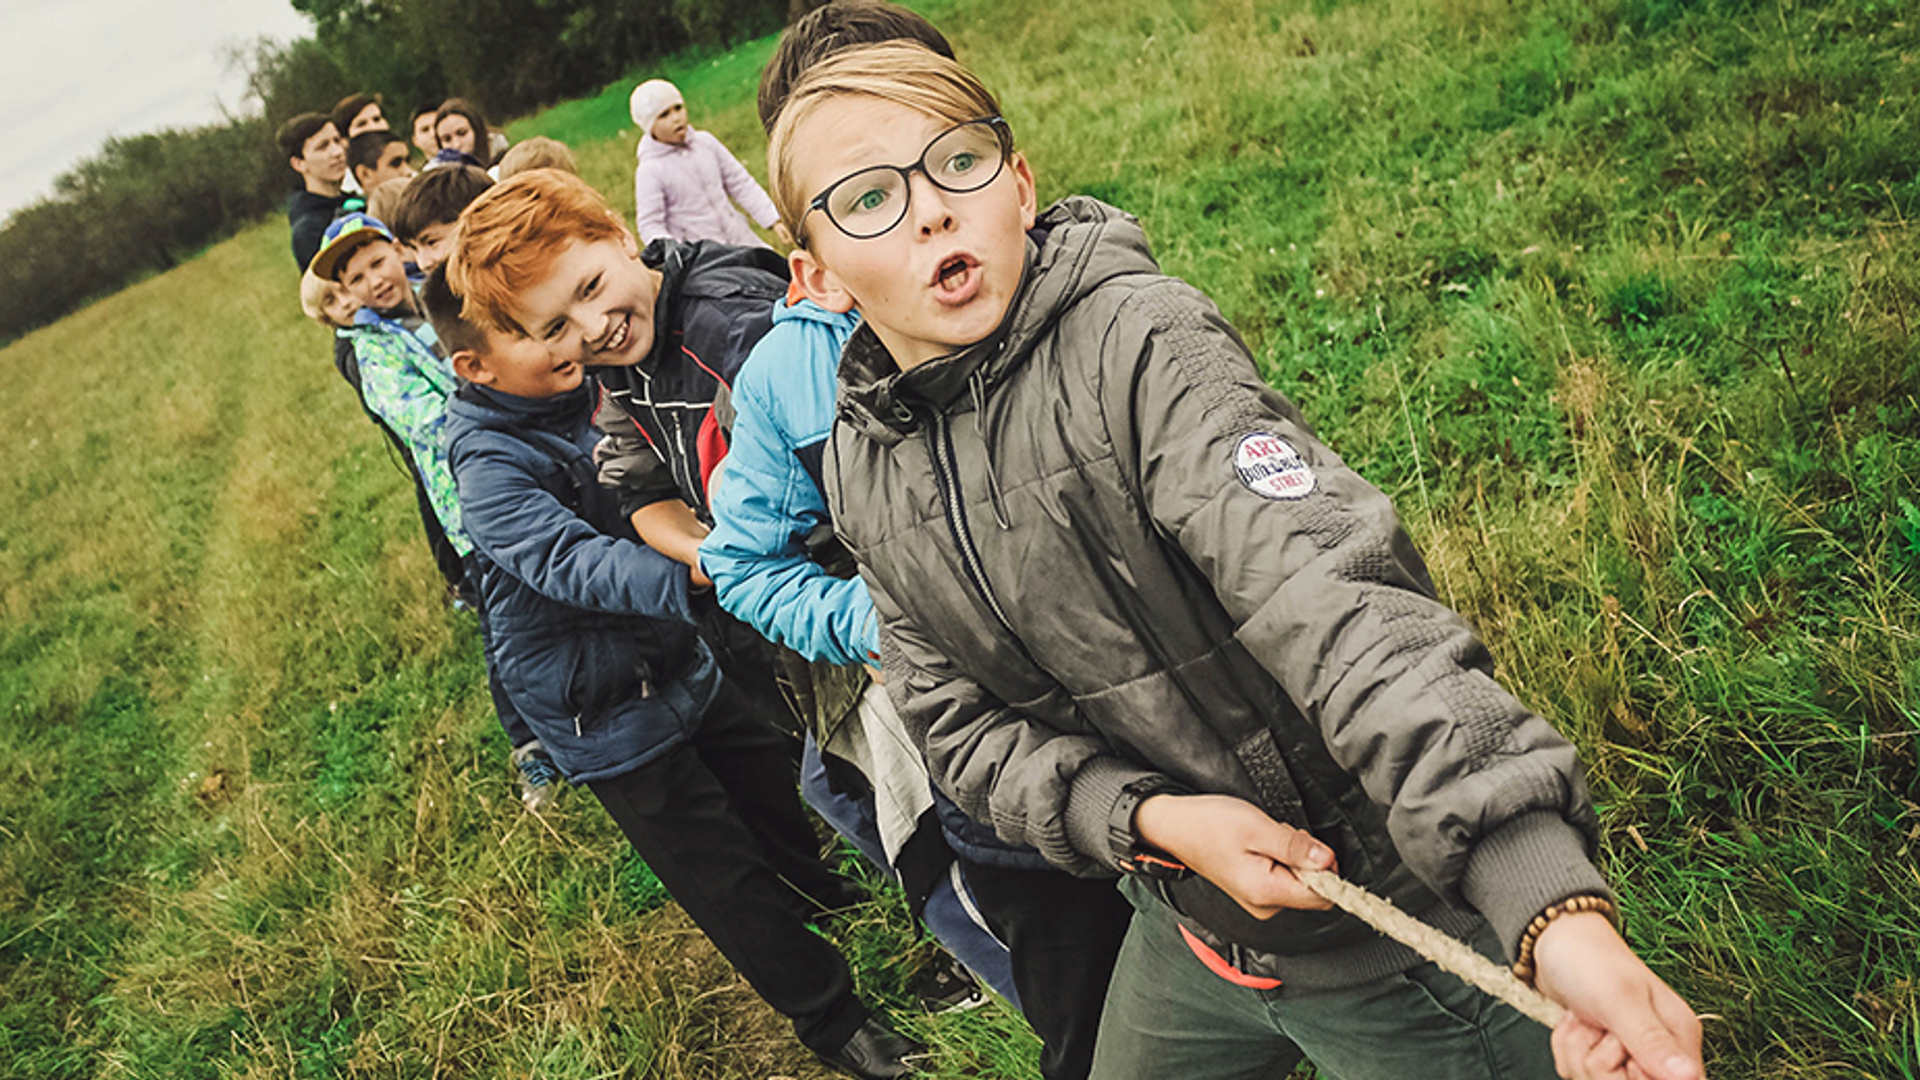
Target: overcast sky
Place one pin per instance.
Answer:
(73, 72)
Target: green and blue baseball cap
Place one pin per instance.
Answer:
(343, 237)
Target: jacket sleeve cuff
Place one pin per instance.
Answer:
(1524, 867)
(1100, 808)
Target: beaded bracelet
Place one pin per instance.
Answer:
(1523, 966)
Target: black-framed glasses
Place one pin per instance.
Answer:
(963, 158)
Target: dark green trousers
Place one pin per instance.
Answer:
(1167, 1016)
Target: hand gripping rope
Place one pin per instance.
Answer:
(1450, 954)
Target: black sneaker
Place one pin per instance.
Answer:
(539, 776)
(875, 1052)
(945, 985)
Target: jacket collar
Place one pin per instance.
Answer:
(486, 407)
(1075, 246)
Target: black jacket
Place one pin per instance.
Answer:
(309, 215)
(664, 435)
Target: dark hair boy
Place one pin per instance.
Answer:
(375, 157)
(318, 155)
(425, 218)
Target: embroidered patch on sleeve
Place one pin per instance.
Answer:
(1269, 466)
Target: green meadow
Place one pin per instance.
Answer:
(1617, 299)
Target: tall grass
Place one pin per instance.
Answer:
(1616, 299)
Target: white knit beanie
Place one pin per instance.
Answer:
(650, 99)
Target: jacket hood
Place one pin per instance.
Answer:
(651, 149)
(480, 408)
(1077, 245)
(803, 310)
(677, 260)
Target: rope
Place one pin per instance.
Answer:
(1449, 953)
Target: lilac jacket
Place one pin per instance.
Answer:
(681, 192)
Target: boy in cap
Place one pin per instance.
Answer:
(404, 382)
(684, 177)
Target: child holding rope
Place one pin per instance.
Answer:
(1140, 618)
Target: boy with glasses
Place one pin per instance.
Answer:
(775, 564)
(1140, 618)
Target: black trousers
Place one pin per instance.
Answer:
(1062, 934)
(718, 819)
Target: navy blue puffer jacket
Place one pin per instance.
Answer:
(593, 636)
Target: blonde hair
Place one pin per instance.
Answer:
(538, 152)
(510, 236)
(315, 291)
(900, 72)
(385, 199)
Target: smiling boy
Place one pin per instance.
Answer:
(599, 639)
(667, 329)
(404, 381)
(1142, 619)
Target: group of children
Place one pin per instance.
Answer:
(1088, 640)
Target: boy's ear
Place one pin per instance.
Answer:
(819, 283)
(470, 366)
(628, 243)
(1029, 200)
(298, 164)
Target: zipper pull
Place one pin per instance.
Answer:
(576, 725)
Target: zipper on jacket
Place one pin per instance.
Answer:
(941, 444)
(680, 470)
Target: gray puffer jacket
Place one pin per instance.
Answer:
(1109, 559)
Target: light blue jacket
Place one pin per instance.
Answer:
(770, 495)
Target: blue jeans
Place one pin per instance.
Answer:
(950, 911)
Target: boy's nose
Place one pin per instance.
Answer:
(928, 205)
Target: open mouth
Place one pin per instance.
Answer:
(956, 279)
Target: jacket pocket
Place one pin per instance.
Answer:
(607, 671)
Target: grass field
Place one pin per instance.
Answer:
(1616, 299)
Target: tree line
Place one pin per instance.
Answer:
(145, 202)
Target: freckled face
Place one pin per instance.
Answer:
(594, 306)
(943, 277)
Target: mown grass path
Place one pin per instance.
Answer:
(1617, 299)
